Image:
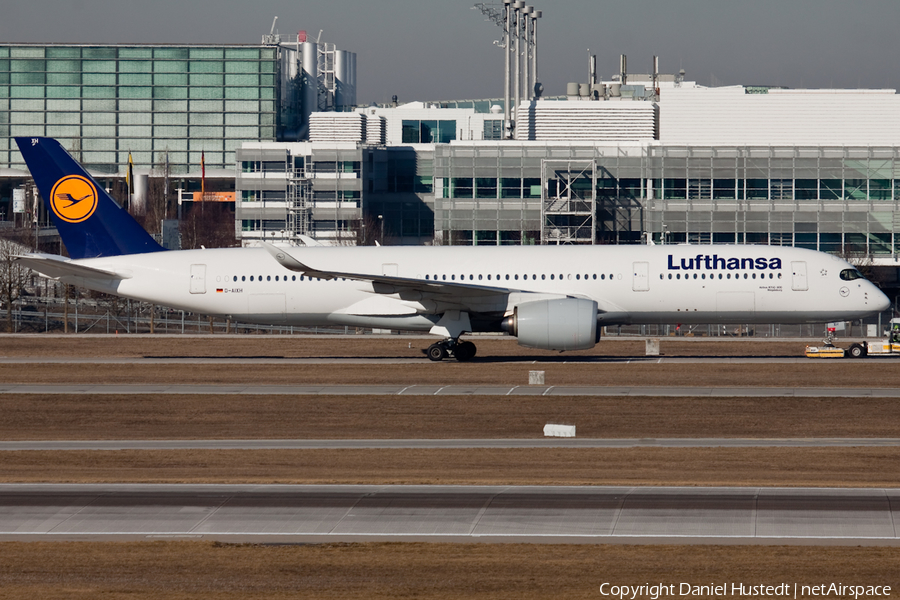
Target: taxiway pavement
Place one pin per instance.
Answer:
(288, 361)
(300, 514)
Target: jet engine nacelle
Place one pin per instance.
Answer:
(561, 324)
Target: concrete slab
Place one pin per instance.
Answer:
(457, 513)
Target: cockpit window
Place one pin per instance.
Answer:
(851, 274)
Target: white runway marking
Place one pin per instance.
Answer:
(584, 514)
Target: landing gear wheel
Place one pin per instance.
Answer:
(464, 351)
(857, 351)
(436, 352)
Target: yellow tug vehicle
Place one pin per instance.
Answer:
(825, 351)
(890, 346)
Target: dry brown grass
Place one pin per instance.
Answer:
(809, 467)
(871, 373)
(97, 417)
(181, 570)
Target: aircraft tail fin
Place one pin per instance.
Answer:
(89, 221)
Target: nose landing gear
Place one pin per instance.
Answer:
(461, 351)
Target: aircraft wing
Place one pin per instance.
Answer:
(441, 296)
(55, 267)
(386, 284)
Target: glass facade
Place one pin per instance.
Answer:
(834, 199)
(103, 102)
(839, 200)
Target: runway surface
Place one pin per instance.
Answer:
(296, 514)
(525, 360)
(354, 444)
(454, 390)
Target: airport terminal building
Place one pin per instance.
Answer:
(667, 161)
(103, 102)
(179, 111)
(808, 168)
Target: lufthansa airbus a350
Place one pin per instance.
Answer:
(549, 297)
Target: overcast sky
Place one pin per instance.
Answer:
(436, 50)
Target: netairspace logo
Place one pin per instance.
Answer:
(782, 590)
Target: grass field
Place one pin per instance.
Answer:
(806, 467)
(163, 416)
(200, 570)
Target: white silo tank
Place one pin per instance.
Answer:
(310, 79)
(352, 83)
(341, 78)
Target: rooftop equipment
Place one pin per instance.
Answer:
(520, 80)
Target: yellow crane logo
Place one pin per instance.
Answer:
(74, 198)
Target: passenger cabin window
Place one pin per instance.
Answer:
(851, 274)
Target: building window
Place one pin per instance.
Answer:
(461, 187)
(493, 129)
(486, 187)
(428, 132)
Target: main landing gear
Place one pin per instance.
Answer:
(461, 351)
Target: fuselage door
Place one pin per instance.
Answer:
(641, 281)
(198, 279)
(389, 269)
(798, 277)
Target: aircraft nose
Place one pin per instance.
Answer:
(879, 300)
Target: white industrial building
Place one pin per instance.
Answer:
(618, 163)
(779, 117)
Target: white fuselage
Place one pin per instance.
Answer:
(631, 284)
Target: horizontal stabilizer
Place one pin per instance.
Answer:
(55, 267)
